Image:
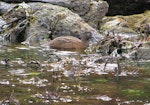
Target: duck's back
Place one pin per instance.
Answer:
(67, 42)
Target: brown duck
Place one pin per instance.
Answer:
(70, 42)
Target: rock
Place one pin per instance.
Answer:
(4, 7)
(144, 53)
(92, 11)
(70, 42)
(16, 19)
(133, 25)
(145, 28)
(54, 21)
(35, 22)
(117, 24)
(2, 24)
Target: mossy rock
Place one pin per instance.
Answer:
(133, 24)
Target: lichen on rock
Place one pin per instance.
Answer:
(133, 24)
(54, 21)
(43, 21)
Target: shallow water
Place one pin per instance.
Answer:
(39, 76)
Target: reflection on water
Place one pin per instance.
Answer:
(36, 75)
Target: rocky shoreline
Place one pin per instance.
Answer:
(34, 22)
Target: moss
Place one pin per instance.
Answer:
(133, 92)
(127, 24)
(34, 73)
(101, 80)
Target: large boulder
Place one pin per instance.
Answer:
(38, 21)
(92, 11)
(53, 21)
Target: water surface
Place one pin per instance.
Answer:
(39, 76)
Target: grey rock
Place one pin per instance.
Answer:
(54, 21)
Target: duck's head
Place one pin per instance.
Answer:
(86, 36)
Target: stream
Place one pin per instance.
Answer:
(40, 76)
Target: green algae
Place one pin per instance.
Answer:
(133, 92)
(101, 80)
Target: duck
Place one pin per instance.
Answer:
(70, 42)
